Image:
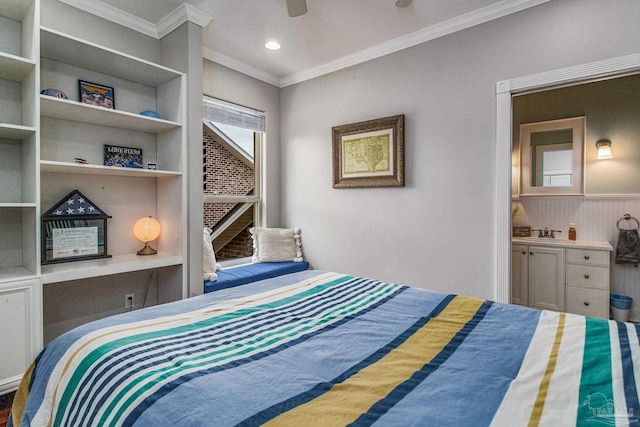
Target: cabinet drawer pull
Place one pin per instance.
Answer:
(524, 252)
(586, 257)
(586, 303)
(586, 276)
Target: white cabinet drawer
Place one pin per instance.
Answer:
(585, 275)
(588, 256)
(587, 301)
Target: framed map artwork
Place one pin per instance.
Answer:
(369, 154)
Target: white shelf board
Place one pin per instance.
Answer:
(65, 109)
(14, 67)
(71, 50)
(101, 267)
(10, 274)
(18, 132)
(88, 169)
(17, 205)
(14, 9)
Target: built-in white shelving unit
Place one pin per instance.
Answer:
(20, 288)
(67, 59)
(40, 137)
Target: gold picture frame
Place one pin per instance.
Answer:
(369, 154)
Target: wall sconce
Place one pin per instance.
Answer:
(147, 229)
(604, 149)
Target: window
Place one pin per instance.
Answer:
(232, 140)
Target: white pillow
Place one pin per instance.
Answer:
(209, 265)
(276, 244)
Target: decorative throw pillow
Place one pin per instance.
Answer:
(209, 265)
(276, 244)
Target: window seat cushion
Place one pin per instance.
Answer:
(236, 276)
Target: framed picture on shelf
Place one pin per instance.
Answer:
(124, 157)
(369, 154)
(96, 94)
(74, 229)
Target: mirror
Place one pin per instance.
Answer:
(551, 157)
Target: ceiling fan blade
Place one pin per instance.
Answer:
(296, 7)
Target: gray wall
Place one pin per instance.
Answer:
(437, 232)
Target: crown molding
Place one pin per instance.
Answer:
(186, 12)
(462, 22)
(242, 67)
(177, 17)
(181, 14)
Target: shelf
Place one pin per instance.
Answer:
(65, 109)
(87, 169)
(14, 67)
(106, 266)
(9, 131)
(10, 274)
(17, 205)
(70, 50)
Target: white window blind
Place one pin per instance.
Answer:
(217, 111)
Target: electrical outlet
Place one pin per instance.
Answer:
(128, 301)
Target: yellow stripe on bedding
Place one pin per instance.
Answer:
(346, 401)
(538, 407)
(544, 393)
(20, 398)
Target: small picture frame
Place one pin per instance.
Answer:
(152, 166)
(96, 94)
(123, 157)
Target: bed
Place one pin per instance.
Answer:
(321, 348)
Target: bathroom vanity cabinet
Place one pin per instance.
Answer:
(561, 275)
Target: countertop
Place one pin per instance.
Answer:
(572, 244)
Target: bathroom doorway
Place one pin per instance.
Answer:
(505, 90)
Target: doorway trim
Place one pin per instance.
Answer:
(504, 91)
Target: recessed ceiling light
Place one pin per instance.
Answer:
(272, 45)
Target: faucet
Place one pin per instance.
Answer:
(546, 233)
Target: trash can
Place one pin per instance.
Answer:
(620, 307)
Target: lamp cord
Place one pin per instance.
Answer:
(146, 291)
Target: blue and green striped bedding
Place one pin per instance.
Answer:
(324, 349)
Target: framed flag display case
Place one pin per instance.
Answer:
(74, 229)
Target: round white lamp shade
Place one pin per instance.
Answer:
(147, 229)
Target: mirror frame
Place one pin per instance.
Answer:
(578, 126)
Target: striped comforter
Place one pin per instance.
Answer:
(323, 349)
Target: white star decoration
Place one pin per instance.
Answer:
(74, 205)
